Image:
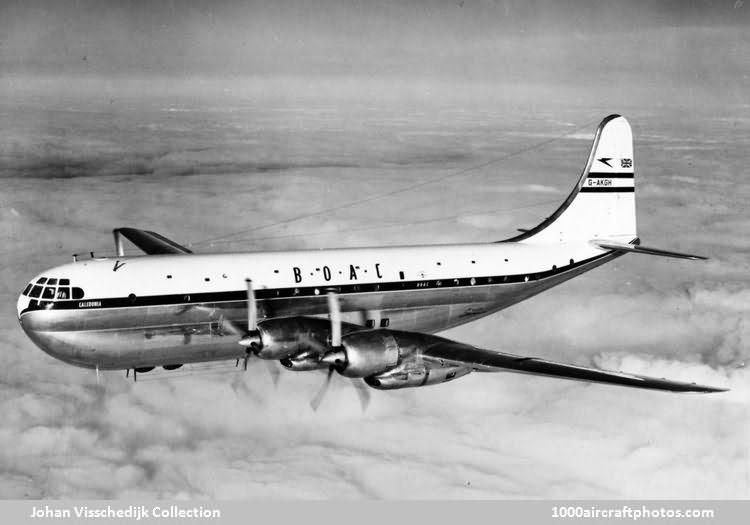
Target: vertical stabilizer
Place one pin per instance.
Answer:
(602, 205)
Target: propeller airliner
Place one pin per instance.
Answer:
(366, 313)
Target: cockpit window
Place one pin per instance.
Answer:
(52, 293)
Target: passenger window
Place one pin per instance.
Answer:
(64, 282)
(51, 281)
(63, 293)
(77, 293)
(26, 290)
(36, 291)
(49, 293)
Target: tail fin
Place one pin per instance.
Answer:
(602, 205)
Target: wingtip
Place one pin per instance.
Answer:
(703, 389)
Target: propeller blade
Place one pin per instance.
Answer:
(334, 309)
(274, 371)
(315, 402)
(252, 338)
(363, 391)
(229, 326)
(252, 308)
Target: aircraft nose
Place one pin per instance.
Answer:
(25, 321)
(35, 324)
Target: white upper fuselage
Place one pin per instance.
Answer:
(190, 274)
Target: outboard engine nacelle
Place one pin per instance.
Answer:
(366, 353)
(420, 376)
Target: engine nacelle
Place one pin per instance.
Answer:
(302, 364)
(289, 336)
(368, 353)
(418, 376)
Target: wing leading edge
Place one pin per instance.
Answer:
(486, 360)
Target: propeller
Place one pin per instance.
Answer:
(363, 391)
(252, 308)
(274, 372)
(334, 308)
(318, 399)
(335, 357)
(251, 340)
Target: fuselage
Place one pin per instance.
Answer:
(126, 312)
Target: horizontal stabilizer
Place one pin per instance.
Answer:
(150, 242)
(636, 248)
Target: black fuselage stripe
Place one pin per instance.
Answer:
(602, 175)
(594, 189)
(304, 291)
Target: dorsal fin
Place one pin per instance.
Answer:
(150, 242)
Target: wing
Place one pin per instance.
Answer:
(459, 354)
(150, 242)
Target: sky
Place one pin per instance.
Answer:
(216, 124)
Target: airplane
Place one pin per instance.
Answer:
(366, 313)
